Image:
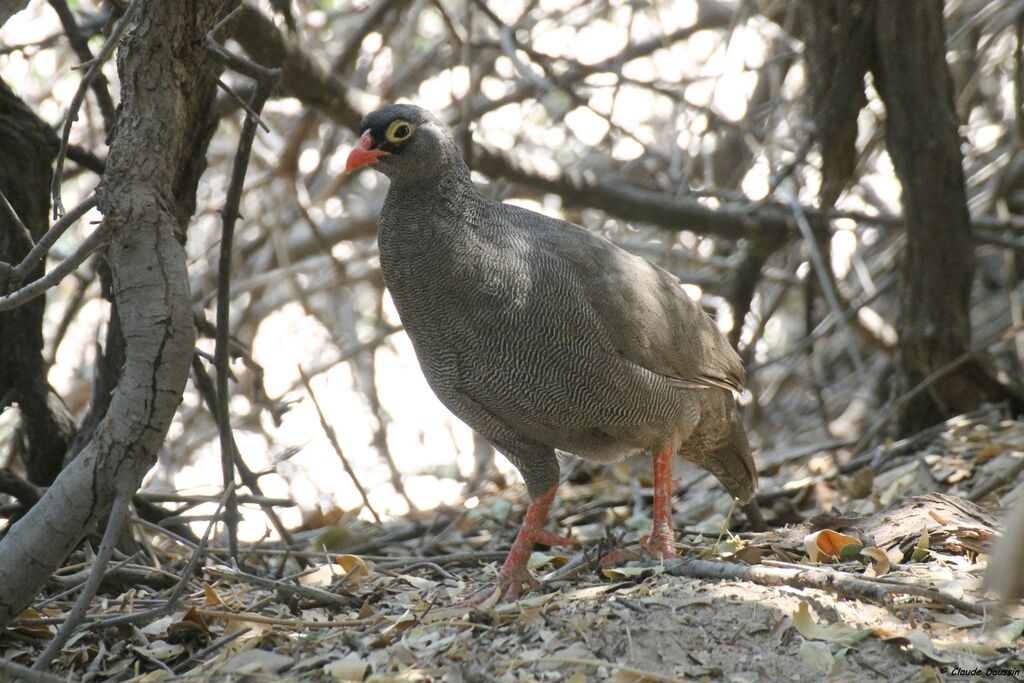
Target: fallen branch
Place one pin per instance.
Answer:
(821, 578)
(318, 595)
(27, 675)
(172, 600)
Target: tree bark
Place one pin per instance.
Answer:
(938, 261)
(45, 425)
(903, 45)
(167, 84)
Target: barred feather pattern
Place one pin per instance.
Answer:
(543, 336)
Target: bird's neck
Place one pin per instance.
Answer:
(448, 191)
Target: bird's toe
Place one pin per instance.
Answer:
(547, 537)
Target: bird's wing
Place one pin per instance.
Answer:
(649, 318)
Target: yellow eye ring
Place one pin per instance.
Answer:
(399, 131)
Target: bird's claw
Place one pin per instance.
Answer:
(509, 586)
(658, 546)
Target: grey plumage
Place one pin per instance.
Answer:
(541, 335)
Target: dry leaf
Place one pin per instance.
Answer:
(538, 560)
(256, 661)
(354, 567)
(922, 642)
(41, 631)
(922, 549)
(751, 554)
(838, 632)
(817, 655)
(158, 627)
(827, 545)
(879, 565)
(193, 616)
(211, 598)
(349, 669)
(160, 650)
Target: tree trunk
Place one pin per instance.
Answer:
(168, 81)
(903, 44)
(938, 261)
(45, 424)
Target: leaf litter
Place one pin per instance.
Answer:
(378, 605)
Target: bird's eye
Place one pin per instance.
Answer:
(399, 131)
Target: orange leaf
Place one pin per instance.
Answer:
(827, 545)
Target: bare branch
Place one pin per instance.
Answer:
(266, 80)
(337, 447)
(80, 44)
(76, 103)
(97, 240)
(42, 247)
(16, 218)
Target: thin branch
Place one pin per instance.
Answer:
(266, 80)
(71, 310)
(286, 588)
(242, 103)
(97, 240)
(42, 247)
(115, 522)
(208, 392)
(172, 600)
(200, 655)
(22, 490)
(20, 672)
(199, 499)
(16, 218)
(76, 103)
(80, 44)
(824, 274)
(822, 578)
(332, 437)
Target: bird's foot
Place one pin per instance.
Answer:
(657, 546)
(661, 544)
(508, 587)
(547, 537)
(515, 573)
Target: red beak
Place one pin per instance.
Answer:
(363, 153)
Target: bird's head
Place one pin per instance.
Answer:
(403, 141)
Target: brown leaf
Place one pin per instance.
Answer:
(879, 561)
(827, 545)
(211, 597)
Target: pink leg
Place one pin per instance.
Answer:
(514, 573)
(662, 543)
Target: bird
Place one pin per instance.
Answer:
(1006, 554)
(545, 337)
